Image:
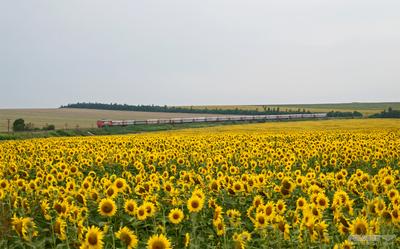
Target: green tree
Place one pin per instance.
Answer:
(19, 125)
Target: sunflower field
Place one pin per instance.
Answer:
(295, 188)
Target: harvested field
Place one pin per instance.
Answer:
(82, 118)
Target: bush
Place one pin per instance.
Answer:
(29, 127)
(49, 127)
(62, 133)
(387, 114)
(19, 125)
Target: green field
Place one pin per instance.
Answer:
(364, 108)
(78, 118)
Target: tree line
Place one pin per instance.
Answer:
(262, 110)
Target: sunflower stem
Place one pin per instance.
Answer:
(52, 233)
(112, 233)
(194, 228)
(67, 236)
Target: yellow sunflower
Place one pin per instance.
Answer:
(120, 184)
(237, 186)
(150, 208)
(176, 216)
(269, 210)
(187, 239)
(130, 207)
(280, 206)
(359, 226)
(195, 204)
(111, 191)
(219, 227)
(141, 213)
(60, 228)
(346, 245)
(396, 215)
(94, 238)
(322, 201)
(261, 220)
(284, 227)
(258, 200)
(127, 237)
(301, 203)
(158, 242)
(107, 207)
(25, 227)
(199, 193)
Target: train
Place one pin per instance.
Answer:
(106, 122)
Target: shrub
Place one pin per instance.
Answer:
(19, 125)
(29, 127)
(387, 114)
(49, 127)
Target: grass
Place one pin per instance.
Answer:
(364, 108)
(78, 118)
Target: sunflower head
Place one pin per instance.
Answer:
(280, 206)
(346, 245)
(322, 201)
(25, 227)
(359, 226)
(195, 204)
(158, 242)
(237, 186)
(150, 208)
(120, 184)
(176, 216)
(301, 203)
(258, 200)
(269, 209)
(127, 237)
(60, 228)
(111, 191)
(261, 220)
(220, 227)
(130, 207)
(141, 213)
(107, 207)
(94, 238)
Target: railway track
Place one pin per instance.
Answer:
(107, 122)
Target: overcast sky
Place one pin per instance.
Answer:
(198, 52)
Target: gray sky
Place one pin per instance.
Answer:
(198, 52)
